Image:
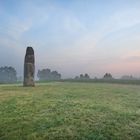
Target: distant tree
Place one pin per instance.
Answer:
(107, 76)
(76, 77)
(82, 77)
(8, 74)
(128, 77)
(55, 75)
(86, 76)
(46, 74)
(95, 78)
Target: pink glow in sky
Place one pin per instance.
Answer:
(74, 36)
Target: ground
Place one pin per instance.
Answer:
(70, 111)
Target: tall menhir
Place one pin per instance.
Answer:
(29, 67)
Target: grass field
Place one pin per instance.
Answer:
(70, 111)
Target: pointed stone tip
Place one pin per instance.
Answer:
(29, 51)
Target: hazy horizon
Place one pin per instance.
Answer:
(72, 36)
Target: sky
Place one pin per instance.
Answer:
(72, 36)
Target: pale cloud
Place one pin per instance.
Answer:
(16, 28)
(74, 47)
(132, 56)
(33, 16)
(73, 24)
(126, 18)
(119, 21)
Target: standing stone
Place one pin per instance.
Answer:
(29, 67)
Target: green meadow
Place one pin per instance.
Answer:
(70, 111)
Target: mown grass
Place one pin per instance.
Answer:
(70, 111)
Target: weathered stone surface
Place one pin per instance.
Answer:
(29, 67)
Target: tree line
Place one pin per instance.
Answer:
(48, 75)
(8, 74)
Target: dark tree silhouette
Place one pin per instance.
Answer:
(82, 77)
(47, 74)
(55, 75)
(8, 74)
(86, 76)
(44, 74)
(107, 76)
